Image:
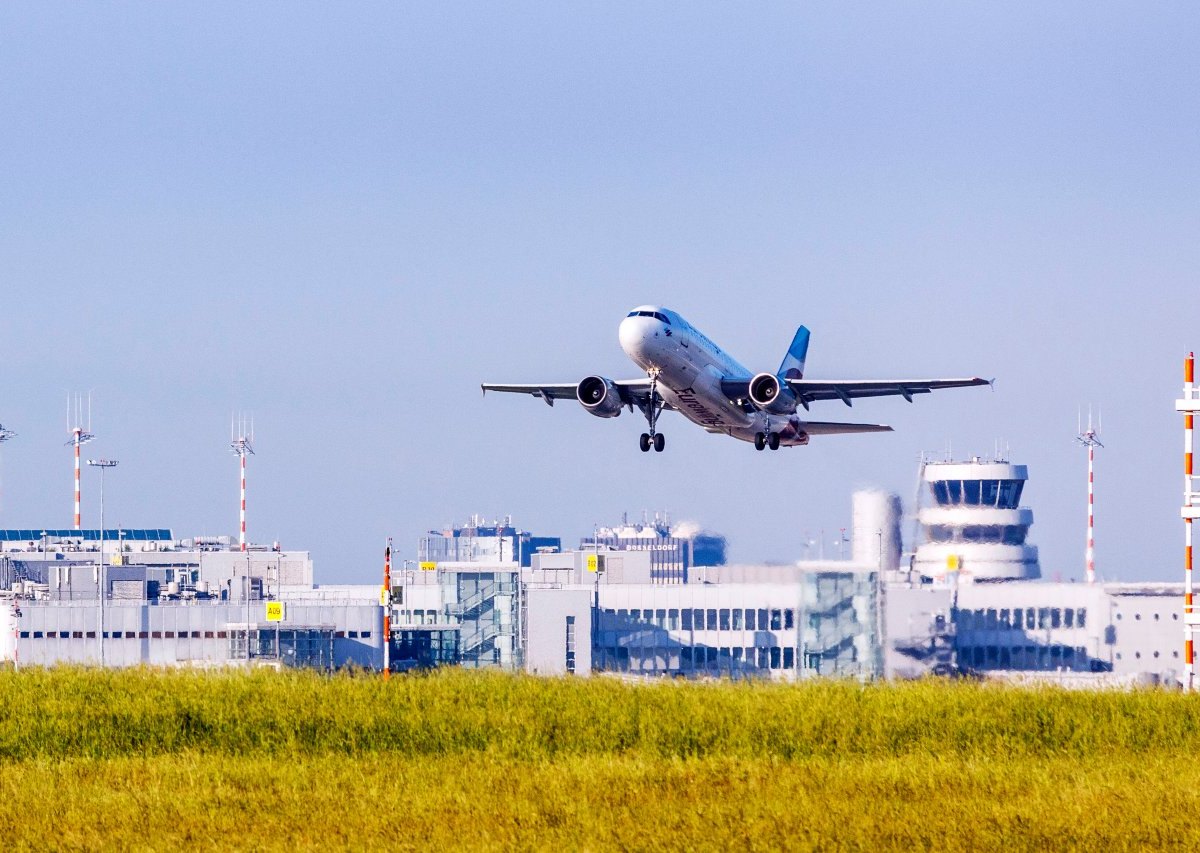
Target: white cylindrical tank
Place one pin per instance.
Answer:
(875, 537)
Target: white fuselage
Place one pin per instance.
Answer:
(690, 368)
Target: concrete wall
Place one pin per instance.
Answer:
(546, 630)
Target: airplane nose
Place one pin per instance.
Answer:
(633, 333)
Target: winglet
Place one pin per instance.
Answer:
(483, 388)
(992, 384)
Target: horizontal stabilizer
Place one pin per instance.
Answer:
(825, 428)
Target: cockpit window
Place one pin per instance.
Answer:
(662, 318)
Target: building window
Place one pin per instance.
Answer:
(698, 620)
(737, 651)
(712, 620)
(1056, 618)
(764, 658)
(1030, 619)
(366, 635)
(354, 635)
(1081, 617)
(723, 617)
(776, 622)
(687, 620)
(571, 644)
(1137, 617)
(789, 657)
(750, 623)
(775, 657)
(762, 620)
(738, 619)
(673, 620)
(1069, 618)
(789, 621)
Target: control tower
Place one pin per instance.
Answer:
(975, 527)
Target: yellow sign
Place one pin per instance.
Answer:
(952, 563)
(593, 562)
(383, 596)
(274, 611)
(428, 567)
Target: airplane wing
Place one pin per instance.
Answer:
(634, 392)
(847, 390)
(823, 428)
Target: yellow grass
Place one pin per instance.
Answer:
(150, 760)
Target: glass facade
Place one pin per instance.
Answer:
(1004, 494)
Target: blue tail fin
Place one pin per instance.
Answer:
(792, 366)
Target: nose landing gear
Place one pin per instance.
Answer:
(652, 409)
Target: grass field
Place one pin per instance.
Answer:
(157, 760)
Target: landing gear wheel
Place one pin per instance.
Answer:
(760, 441)
(644, 442)
(659, 442)
(773, 441)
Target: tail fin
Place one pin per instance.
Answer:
(792, 366)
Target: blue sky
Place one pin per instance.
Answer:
(343, 218)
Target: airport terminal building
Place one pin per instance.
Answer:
(965, 600)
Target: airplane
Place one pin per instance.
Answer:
(687, 373)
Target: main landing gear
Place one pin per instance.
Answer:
(654, 438)
(766, 439)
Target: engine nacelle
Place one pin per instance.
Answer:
(599, 396)
(769, 394)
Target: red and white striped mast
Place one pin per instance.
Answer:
(242, 445)
(1089, 438)
(79, 437)
(1189, 405)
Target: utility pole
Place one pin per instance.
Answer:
(101, 574)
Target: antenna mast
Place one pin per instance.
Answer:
(79, 437)
(1089, 438)
(1189, 404)
(242, 435)
(6, 434)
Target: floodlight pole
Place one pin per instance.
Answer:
(102, 464)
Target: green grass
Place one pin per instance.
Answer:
(152, 760)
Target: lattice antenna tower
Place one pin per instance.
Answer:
(1090, 438)
(241, 431)
(79, 437)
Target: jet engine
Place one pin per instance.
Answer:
(769, 394)
(599, 396)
